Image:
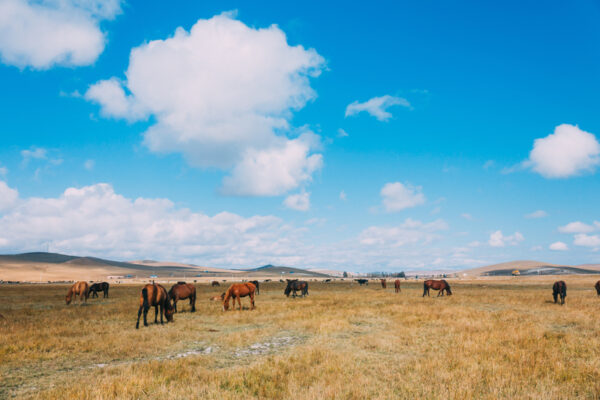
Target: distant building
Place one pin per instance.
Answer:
(153, 276)
(516, 272)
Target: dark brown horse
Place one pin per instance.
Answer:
(182, 291)
(237, 291)
(384, 284)
(440, 285)
(81, 289)
(215, 283)
(99, 287)
(255, 283)
(154, 295)
(559, 289)
(597, 286)
(397, 285)
(293, 285)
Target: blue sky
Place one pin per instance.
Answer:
(388, 136)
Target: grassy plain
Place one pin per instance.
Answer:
(494, 338)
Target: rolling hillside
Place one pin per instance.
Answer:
(42, 267)
(529, 267)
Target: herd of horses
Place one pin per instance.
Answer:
(165, 302)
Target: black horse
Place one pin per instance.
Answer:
(99, 287)
(255, 283)
(362, 281)
(559, 288)
(294, 285)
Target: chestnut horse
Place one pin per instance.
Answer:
(440, 285)
(81, 289)
(99, 287)
(383, 284)
(559, 288)
(182, 291)
(597, 288)
(239, 290)
(397, 285)
(156, 296)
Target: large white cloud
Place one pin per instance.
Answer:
(576, 227)
(497, 239)
(582, 239)
(567, 152)
(222, 95)
(41, 34)
(409, 232)
(558, 246)
(377, 106)
(8, 197)
(397, 196)
(94, 220)
(299, 201)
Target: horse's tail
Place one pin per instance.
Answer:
(145, 303)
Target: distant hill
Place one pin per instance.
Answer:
(40, 266)
(287, 272)
(529, 267)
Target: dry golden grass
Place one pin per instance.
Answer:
(495, 338)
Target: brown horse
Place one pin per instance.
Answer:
(255, 283)
(182, 291)
(239, 290)
(215, 283)
(81, 289)
(559, 288)
(383, 284)
(156, 296)
(597, 286)
(440, 285)
(397, 285)
(293, 285)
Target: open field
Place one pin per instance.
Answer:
(494, 338)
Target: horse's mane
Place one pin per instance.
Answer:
(228, 294)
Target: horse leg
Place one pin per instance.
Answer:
(193, 302)
(146, 309)
(161, 313)
(175, 304)
(137, 324)
(156, 314)
(239, 299)
(252, 300)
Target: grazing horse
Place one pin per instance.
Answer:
(327, 280)
(559, 288)
(397, 285)
(215, 283)
(255, 283)
(440, 285)
(99, 287)
(362, 281)
(293, 285)
(597, 286)
(182, 291)
(239, 290)
(383, 284)
(81, 289)
(154, 295)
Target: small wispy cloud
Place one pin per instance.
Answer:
(536, 214)
(342, 133)
(377, 106)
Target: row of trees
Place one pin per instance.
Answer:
(382, 275)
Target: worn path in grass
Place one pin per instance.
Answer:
(497, 338)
